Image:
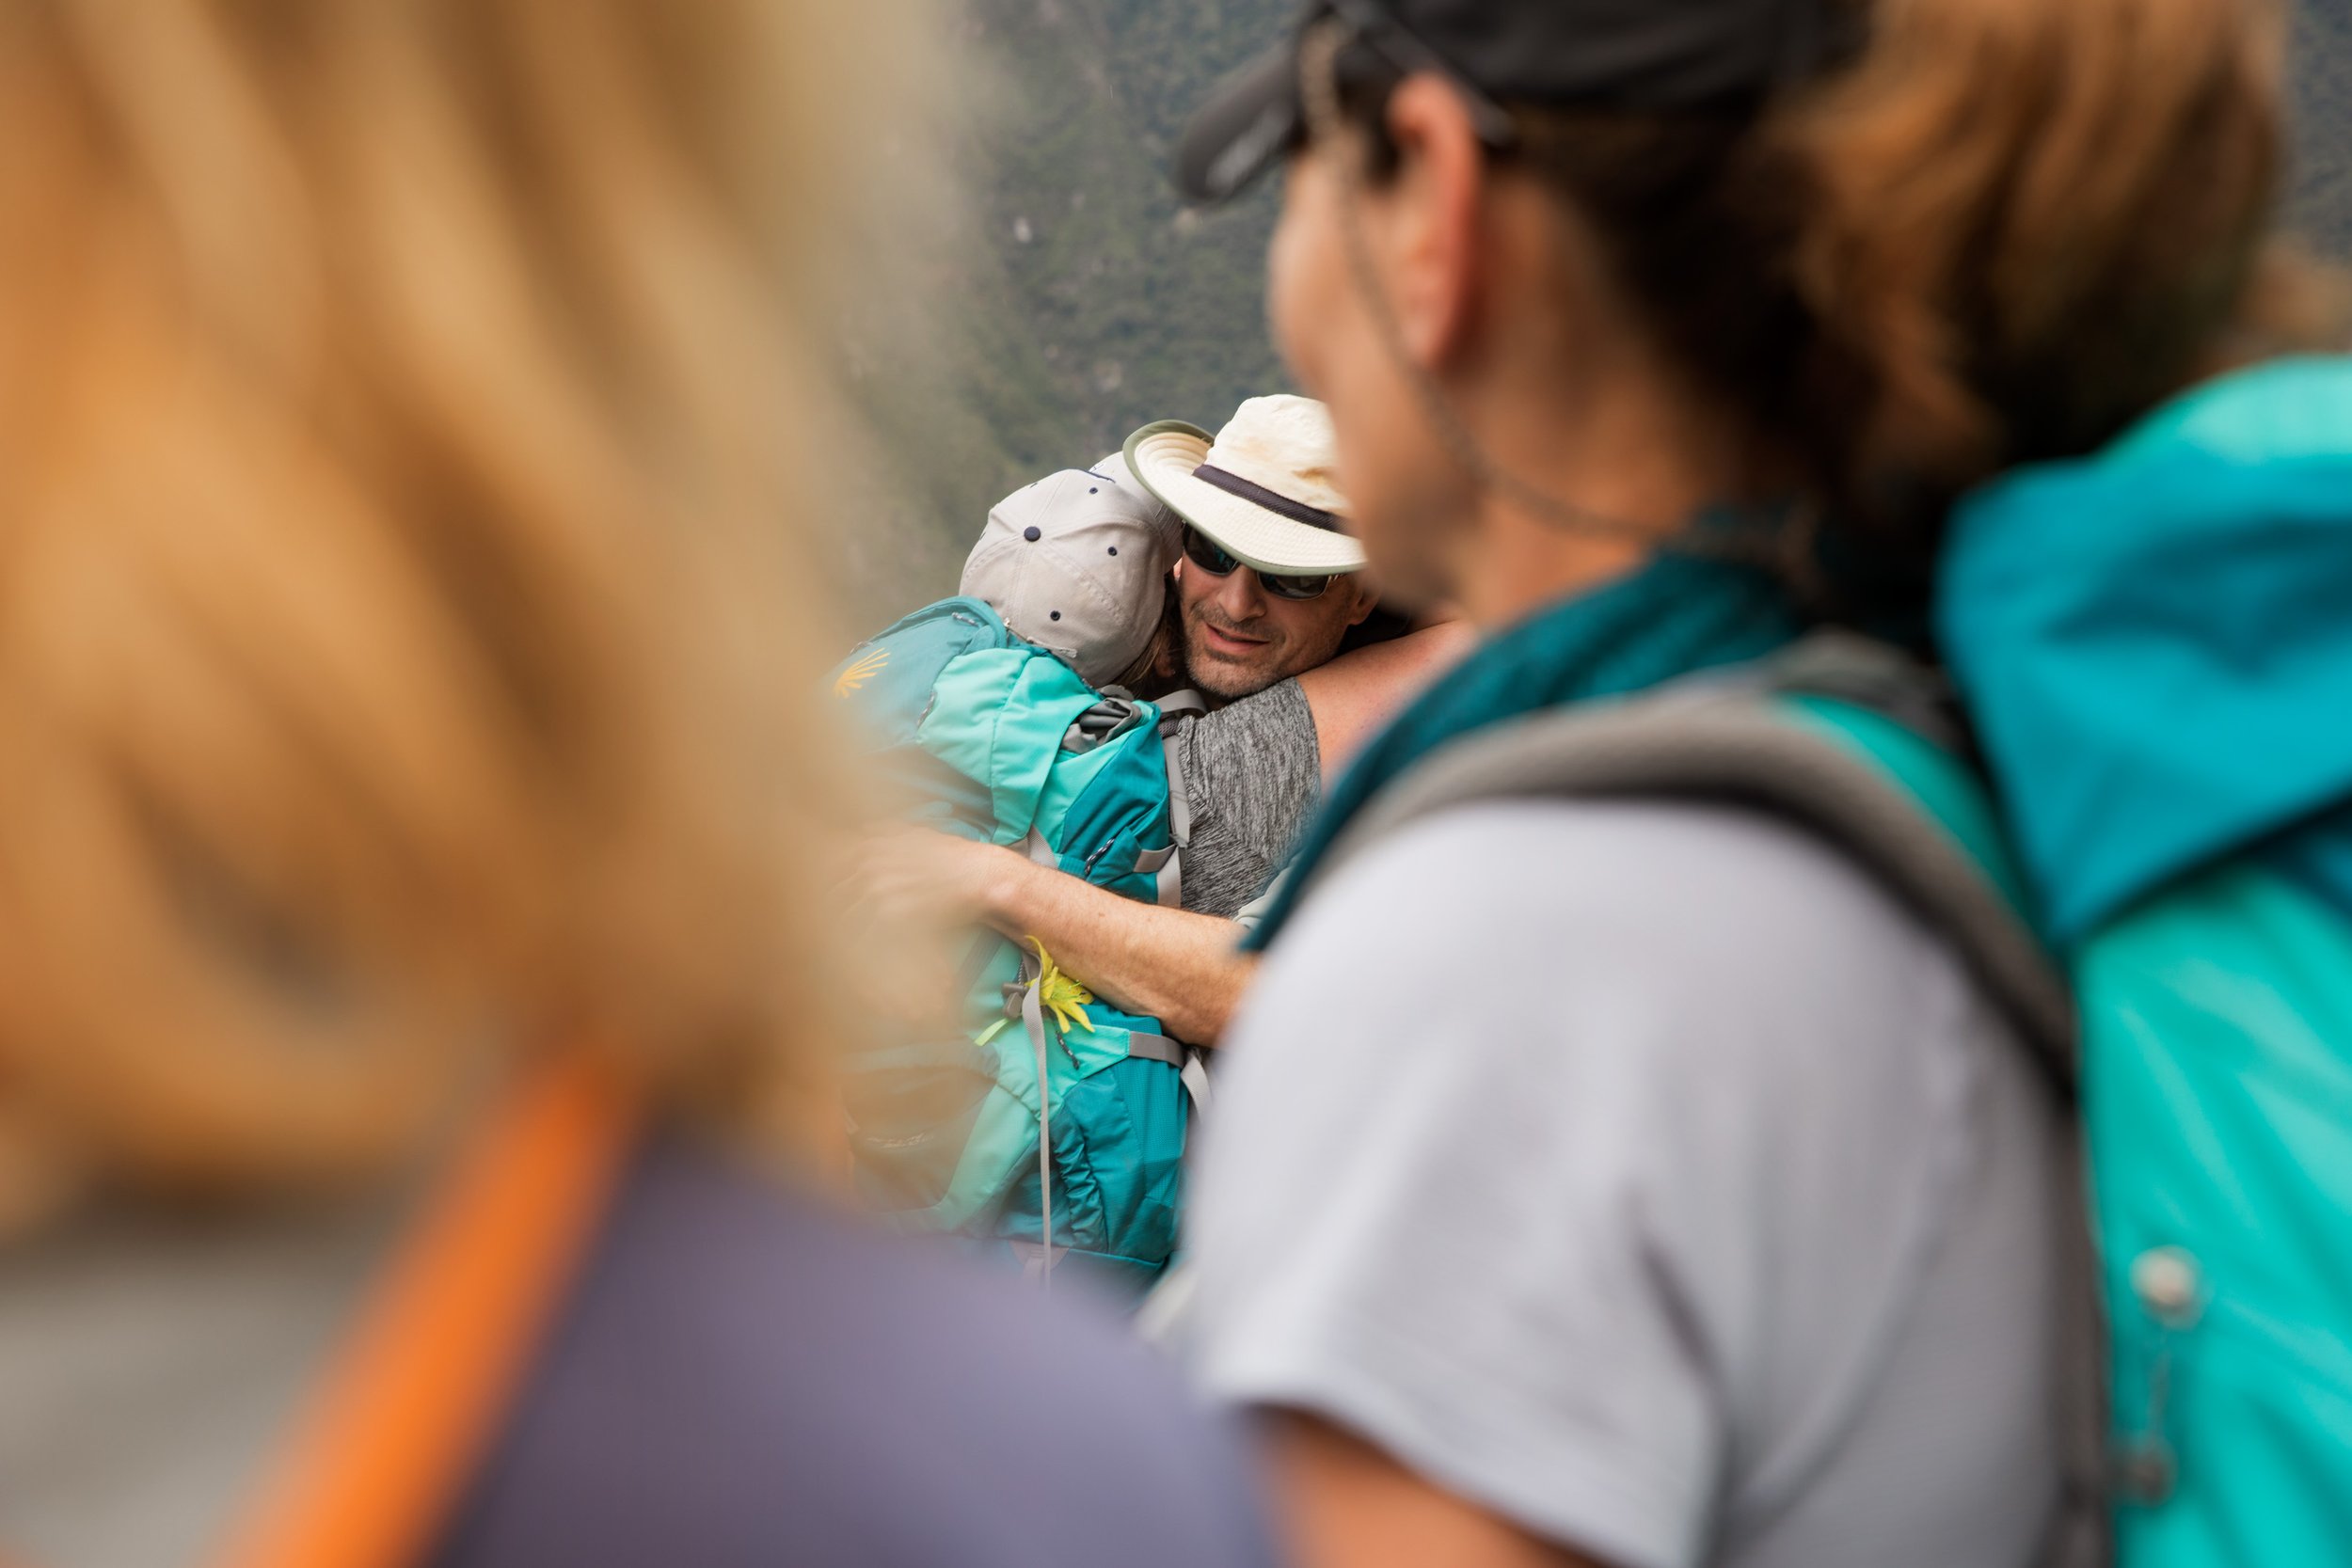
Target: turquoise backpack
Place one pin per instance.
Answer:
(999, 740)
(2155, 644)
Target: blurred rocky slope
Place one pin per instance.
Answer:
(1071, 300)
(2322, 202)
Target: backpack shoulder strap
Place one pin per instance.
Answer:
(1175, 708)
(1853, 741)
(1114, 716)
(445, 1342)
(1842, 736)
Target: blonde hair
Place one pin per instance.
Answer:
(401, 661)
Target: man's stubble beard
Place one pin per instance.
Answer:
(1228, 680)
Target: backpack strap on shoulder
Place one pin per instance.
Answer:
(1175, 708)
(1187, 704)
(1855, 742)
(1738, 738)
(448, 1339)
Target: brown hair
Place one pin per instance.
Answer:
(399, 662)
(2000, 231)
(2031, 222)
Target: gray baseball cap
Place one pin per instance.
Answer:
(1077, 563)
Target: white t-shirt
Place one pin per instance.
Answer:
(1646, 1175)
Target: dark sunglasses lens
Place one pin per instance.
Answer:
(1202, 553)
(1294, 588)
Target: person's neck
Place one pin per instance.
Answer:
(1631, 453)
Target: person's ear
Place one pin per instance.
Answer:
(1367, 597)
(1434, 205)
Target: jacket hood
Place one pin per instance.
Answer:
(2156, 641)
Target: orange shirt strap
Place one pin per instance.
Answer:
(441, 1349)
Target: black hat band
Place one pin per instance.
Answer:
(1273, 501)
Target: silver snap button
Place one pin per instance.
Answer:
(2170, 1285)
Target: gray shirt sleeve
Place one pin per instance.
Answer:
(1252, 768)
(1643, 1175)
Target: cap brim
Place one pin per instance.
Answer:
(1163, 457)
(1251, 120)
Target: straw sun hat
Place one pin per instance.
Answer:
(1264, 490)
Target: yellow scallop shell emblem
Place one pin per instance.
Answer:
(861, 669)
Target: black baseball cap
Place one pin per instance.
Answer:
(1637, 54)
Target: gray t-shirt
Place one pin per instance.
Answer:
(1252, 768)
(1642, 1174)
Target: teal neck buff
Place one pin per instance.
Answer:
(1675, 616)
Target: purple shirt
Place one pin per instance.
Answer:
(744, 1377)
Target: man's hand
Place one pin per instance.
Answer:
(919, 876)
(910, 899)
(916, 886)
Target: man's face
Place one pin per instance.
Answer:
(1239, 638)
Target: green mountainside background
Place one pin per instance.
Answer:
(1071, 300)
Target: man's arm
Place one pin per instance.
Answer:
(1344, 1504)
(1181, 968)
(1357, 693)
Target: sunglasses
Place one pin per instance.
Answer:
(1206, 553)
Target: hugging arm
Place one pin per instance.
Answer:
(1356, 693)
(1181, 968)
(1345, 1504)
